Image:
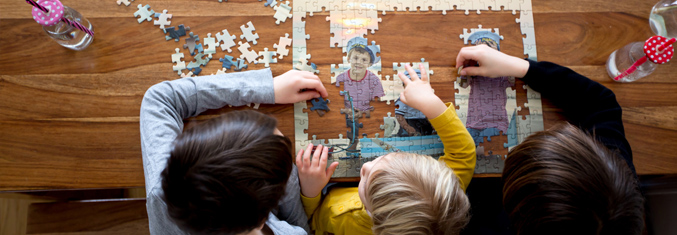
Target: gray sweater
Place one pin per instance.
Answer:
(163, 109)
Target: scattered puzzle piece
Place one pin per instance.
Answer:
(162, 19)
(241, 65)
(282, 46)
(251, 56)
(227, 62)
(200, 60)
(247, 33)
(227, 41)
(210, 43)
(320, 105)
(144, 13)
(175, 33)
(126, 2)
(267, 57)
(282, 13)
(191, 44)
(303, 65)
(176, 58)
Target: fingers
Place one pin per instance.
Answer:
(323, 158)
(472, 71)
(331, 169)
(306, 155)
(299, 159)
(424, 74)
(403, 98)
(466, 53)
(412, 73)
(313, 84)
(405, 79)
(316, 156)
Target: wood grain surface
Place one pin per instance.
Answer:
(69, 120)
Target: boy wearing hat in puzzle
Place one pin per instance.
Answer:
(361, 84)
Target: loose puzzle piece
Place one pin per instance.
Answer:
(176, 58)
(241, 65)
(251, 56)
(220, 71)
(190, 74)
(270, 3)
(227, 41)
(303, 65)
(175, 33)
(247, 33)
(227, 62)
(267, 57)
(126, 2)
(282, 46)
(191, 44)
(320, 105)
(144, 13)
(210, 44)
(200, 60)
(162, 19)
(282, 13)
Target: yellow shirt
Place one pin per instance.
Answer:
(341, 211)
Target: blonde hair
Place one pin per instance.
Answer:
(416, 194)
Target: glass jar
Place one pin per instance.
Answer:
(622, 59)
(69, 36)
(663, 18)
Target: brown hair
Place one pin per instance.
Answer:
(225, 175)
(562, 181)
(416, 194)
(361, 51)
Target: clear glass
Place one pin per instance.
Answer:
(663, 18)
(620, 60)
(67, 36)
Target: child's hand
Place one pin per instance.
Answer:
(419, 94)
(314, 175)
(492, 63)
(294, 86)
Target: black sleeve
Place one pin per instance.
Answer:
(586, 103)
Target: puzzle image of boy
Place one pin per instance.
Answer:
(412, 121)
(486, 103)
(361, 84)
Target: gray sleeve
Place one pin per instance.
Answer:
(290, 206)
(158, 219)
(166, 104)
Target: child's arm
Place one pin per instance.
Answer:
(459, 148)
(313, 175)
(593, 107)
(166, 104)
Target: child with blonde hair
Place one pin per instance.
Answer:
(398, 193)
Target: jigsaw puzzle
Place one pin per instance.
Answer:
(175, 34)
(403, 129)
(193, 43)
(226, 40)
(247, 33)
(144, 13)
(267, 57)
(162, 19)
(126, 2)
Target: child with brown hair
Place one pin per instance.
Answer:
(566, 180)
(398, 193)
(228, 175)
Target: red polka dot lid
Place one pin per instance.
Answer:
(658, 50)
(52, 17)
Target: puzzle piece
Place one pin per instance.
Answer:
(390, 126)
(267, 57)
(176, 58)
(210, 43)
(282, 13)
(320, 105)
(162, 19)
(247, 33)
(227, 62)
(144, 13)
(220, 71)
(282, 46)
(200, 60)
(241, 65)
(227, 41)
(270, 3)
(190, 44)
(126, 2)
(190, 74)
(251, 56)
(303, 65)
(175, 33)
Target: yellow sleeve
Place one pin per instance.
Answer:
(310, 204)
(459, 147)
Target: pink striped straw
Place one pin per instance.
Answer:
(67, 21)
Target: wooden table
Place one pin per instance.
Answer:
(69, 120)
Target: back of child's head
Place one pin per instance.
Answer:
(225, 175)
(563, 181)
(416, 194)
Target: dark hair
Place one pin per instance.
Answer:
(562, 181)
(225, 175)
